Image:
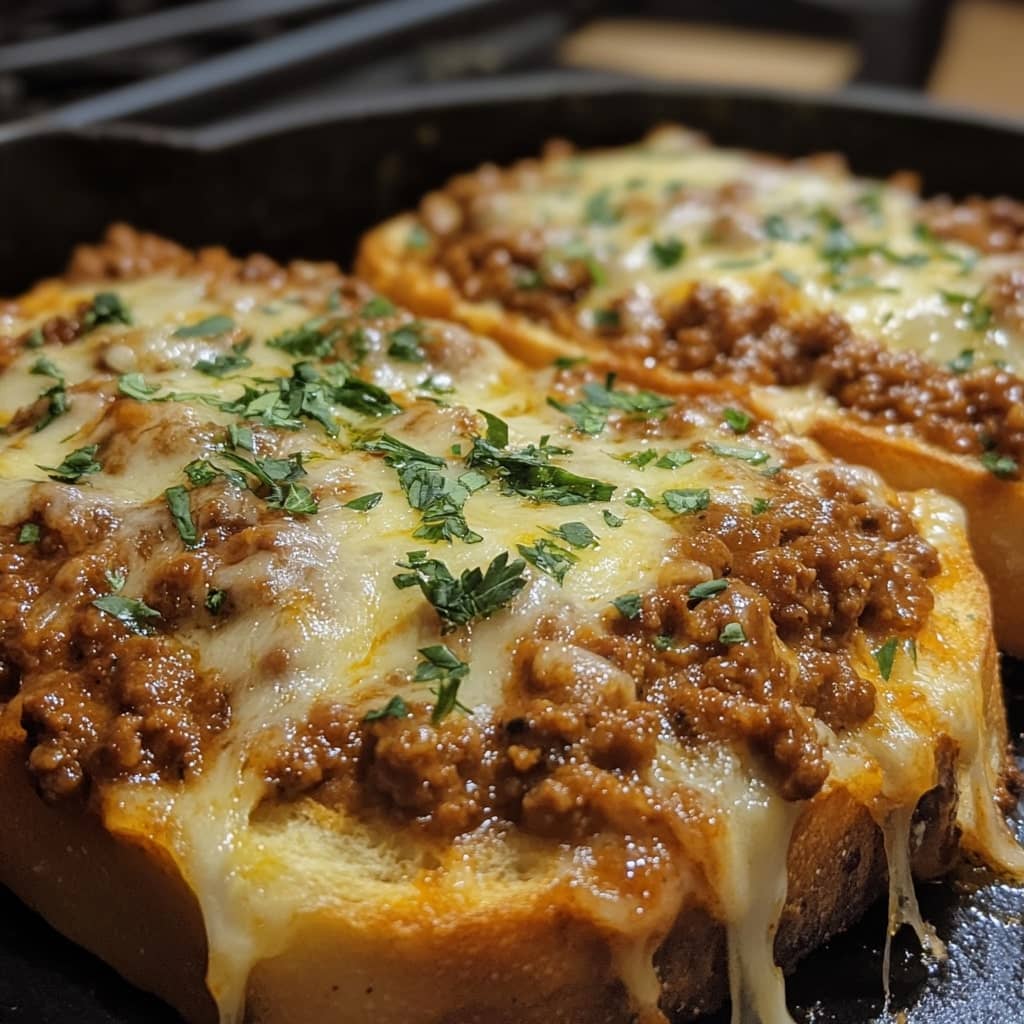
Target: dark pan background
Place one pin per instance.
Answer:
(306, 184)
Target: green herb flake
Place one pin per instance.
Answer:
(81, 462)
(405, 343)
(729, 451)
(639, 459)
(675, 459)
(417, 238)
(579, 535)
(709, 588)
(133, 385)
(607, 319)
(568, 362)
(667, 252)
(687, 501)
(377, 308)
(226, 362)
(56, 395)
(628, 605)
(441, 666)
(131, 612)
(599, 209)
(549, 557)
(1003, 466)
(738, 420)
(201, 472)
(208, 327)
(732, 633)
(611, 518)
(885, 656)
(759, 506)
(963, 362)
(636, 498)
(776, 228)
(365, 502)
(395, 708)
(308, 340)
(106, 308)
(181, 512)
(497, 429)
(476, 594)
(215, 600)
(29, 533)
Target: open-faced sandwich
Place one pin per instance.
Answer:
(889, 328)
(353, 670)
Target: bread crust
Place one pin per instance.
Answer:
(995, 508)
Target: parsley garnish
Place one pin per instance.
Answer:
(1002, 466)
(674, 459)
(628, 605)
(275, 478)
(885, 656)
(962, 362)
(549, 557)
(978, 314)
(56, 394)
(590, 415)
(640, 459)
(568, 362)
(441, 665)
(307, 340)
(106, 308)
(476, 594)
(599, 209)
(181, 513)
(29, 533)
(200, 472)
(395, 708)
(79, 463)
(667, 252)
(134, 385)
(759, 506)
(732, 633)
(709, 588)
(228, 362)
(776, 228)
(497, 429)
(611, 518)
(131, 612)
(377, 308)
(731, 451)
(215, 600)
(365, 502)
(418, 237)
(739, 421)
(405, 343)
(607, 318)
(579, 535)
(208, 327)
(687, 501)
(636, 498)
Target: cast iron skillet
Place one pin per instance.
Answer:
(304, 183)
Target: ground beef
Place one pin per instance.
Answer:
(991, 225)
(97, 702)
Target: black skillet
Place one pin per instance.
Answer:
(305, 182)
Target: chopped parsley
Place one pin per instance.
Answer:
(227, 362)
(977, 313)
(731, 451)
(241, 437)
(497, 429)
(759, 506)
(106, 308)
(215, 600)
(885, 656)
(308, 340)
(549, 557)
(133, 385)
(405, 343)
(628, 605)
(667, 252)
(709, 588)
(590, 414)
(599, 209)
(611, 518)
(441, 666)
(275, 481)
(640, 459)
(1002, 466)
(365, 502)
(675, 459)
(738, 420)
(201, 472)
(56, 395)
(181, 512)
(476, 594)
(606, 318)
(636, 498)
(29, 533)
(81, 462)
(418, 237)
(732, 633)
(777, 228)
(687, 501)
(208, 327)
(962, 362)
(131, 612)
(568, 362)
(579, 535)
(395, 708)
(377, 308)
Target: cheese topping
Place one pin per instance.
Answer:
(381, 538)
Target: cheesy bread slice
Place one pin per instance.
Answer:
(889, 328)
(351, 669)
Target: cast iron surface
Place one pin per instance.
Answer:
(306, 185)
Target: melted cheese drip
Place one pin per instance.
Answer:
(900, 288)
(351, 636)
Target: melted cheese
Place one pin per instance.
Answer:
(754, 225)
(323, 594)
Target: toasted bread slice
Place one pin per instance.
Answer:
(351, 669)
(888, 326)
